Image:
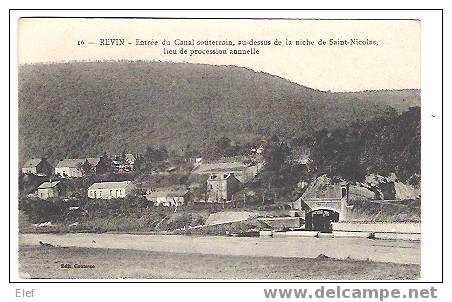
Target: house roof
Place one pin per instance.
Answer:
(93, 161)
(32, 163)
(110, 185)
(70, 163)
(77, 162)
(168, 193)
(220, 167)
(48, 184)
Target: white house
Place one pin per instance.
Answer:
(169, 197)
(49, 189)
(70, 167)
(111, 189)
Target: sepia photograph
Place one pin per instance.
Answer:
(219, 149)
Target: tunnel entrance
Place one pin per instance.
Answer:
(320, 220)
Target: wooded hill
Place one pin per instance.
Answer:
(380, 146)
(81, 109)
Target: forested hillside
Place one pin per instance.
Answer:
(381, 146)
(82, 109)
(401, 100)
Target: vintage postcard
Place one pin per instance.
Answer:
(219, 149)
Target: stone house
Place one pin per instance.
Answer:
(243, 171)
(221, 186)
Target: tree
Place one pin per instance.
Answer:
(21, 180)
(154, 156)
(223, 143)
(86, 167)
(140, 163)
(275, 154)
(381, 146)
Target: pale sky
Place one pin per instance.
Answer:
(393, 64)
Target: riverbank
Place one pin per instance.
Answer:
(99, 263)
(146, 221)
(138, 216)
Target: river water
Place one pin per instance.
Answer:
(300, 247)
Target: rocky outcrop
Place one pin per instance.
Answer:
(229, 216)
(325, 187)
(406, 191)
(391, 188)
(374, 187)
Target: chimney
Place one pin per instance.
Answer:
(344, 202)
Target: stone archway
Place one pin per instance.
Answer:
(321, 219)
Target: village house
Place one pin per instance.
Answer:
(78, 167)
(170, 197)
(111, 189)
(117, 165)
(70, 167)
(129, 161)
(195, 161)
(221, 186)
(258, 150)
(37, 166)
(124, 163)
(50, 189)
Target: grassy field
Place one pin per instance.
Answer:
(47, 262)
